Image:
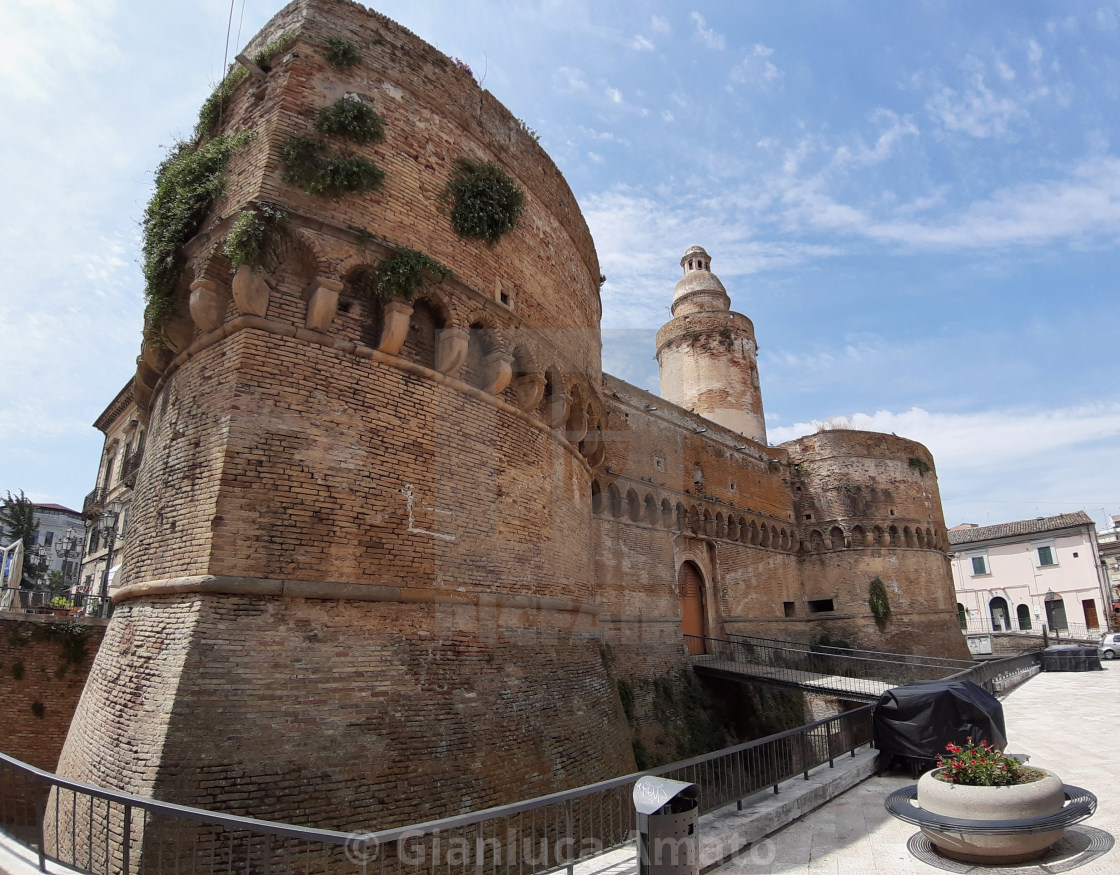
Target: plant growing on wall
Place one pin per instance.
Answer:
(340, 53)
(215, 107)
(401, 275)
(919, 465)
(332, 175)
(250, 234)
(263, 58)
(351, 118)
(187, 183)
(484, 202)
(880, 603)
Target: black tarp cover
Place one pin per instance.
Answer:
(1071, 657)
(917, 721)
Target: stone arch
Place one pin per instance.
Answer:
(680, 517)
(652, 513)
(633, 506)
(816, 541)
(836, 538)
(483, 341)
(763, 535)
(892, 536)
(596, 497)
(694, 520)
(744, 532)
(859, 537)
(931, 539)
(314, 254)
(615, 498)
(920, 537)
(878, 537)
(721, 526)
(907, 537)
(784, 541)
(708, 524)
(753, 536)
(527, 382)
(693, 604)
(732, 528)
(553, 407)
(1000, 614)
(666, 513)
(1023, 615)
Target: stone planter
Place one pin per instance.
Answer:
(394, 328)
(1036, 799)
(250, 292)
(208, 305)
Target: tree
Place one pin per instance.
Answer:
(17, 516)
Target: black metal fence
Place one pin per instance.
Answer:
(95, 830)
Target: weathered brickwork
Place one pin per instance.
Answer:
(43, 667)
(393, 560)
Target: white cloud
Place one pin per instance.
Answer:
(893, 131)
(569, 79)
(756, 69)
(640, 44)
(613, 95)
(705, 34)
(977, 111)
(1034, 51)
(667, 116)
(660, 24)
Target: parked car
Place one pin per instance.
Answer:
(1110, 645)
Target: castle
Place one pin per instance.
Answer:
(393, 555)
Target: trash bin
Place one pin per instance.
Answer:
(668, 839)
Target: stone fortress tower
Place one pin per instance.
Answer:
(707, 354)
(394, 556)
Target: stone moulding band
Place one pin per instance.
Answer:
(357, 592)
(306, 335)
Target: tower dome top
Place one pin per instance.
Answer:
(699, 289)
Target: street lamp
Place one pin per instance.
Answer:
(108, 526)
(69, 550)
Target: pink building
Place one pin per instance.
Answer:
(1029, 573)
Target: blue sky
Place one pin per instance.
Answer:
(918, 204)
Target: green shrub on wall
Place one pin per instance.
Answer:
(250, 234)
(340, 53)
(401, 275)
(187, 183)
(351, 118)
(484, 202)
(332, 174)
(880, 603)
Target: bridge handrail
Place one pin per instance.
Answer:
(829, 649)
(598, 816)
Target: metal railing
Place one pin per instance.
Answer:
(93, 502)
(1078, 631)
(130, 466)
(906, 658)
(96, 830)
(788, 664)
(1000, 675)
(26, 601)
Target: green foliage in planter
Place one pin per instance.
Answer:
(263, 58)
(920, 465)
(485, 203)
(340, 53)
(879, 602)
(251, 233)
(187, 183)
(351, 118)
(401, 275)
(332, 175)
(215, 107)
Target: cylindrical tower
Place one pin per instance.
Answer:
(351, 596)
(869, 507)
(707, 353)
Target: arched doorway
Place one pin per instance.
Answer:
(690, 588)
(1001, 620)
(1024, 614)
(1056, 612)
(962, 616)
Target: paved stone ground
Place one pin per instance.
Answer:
(1066, 721)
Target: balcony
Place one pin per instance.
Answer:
(94, 503)
(130, 466)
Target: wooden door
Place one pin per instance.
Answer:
(1090, 608)
(693, 622)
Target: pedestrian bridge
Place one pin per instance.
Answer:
(859, 675)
